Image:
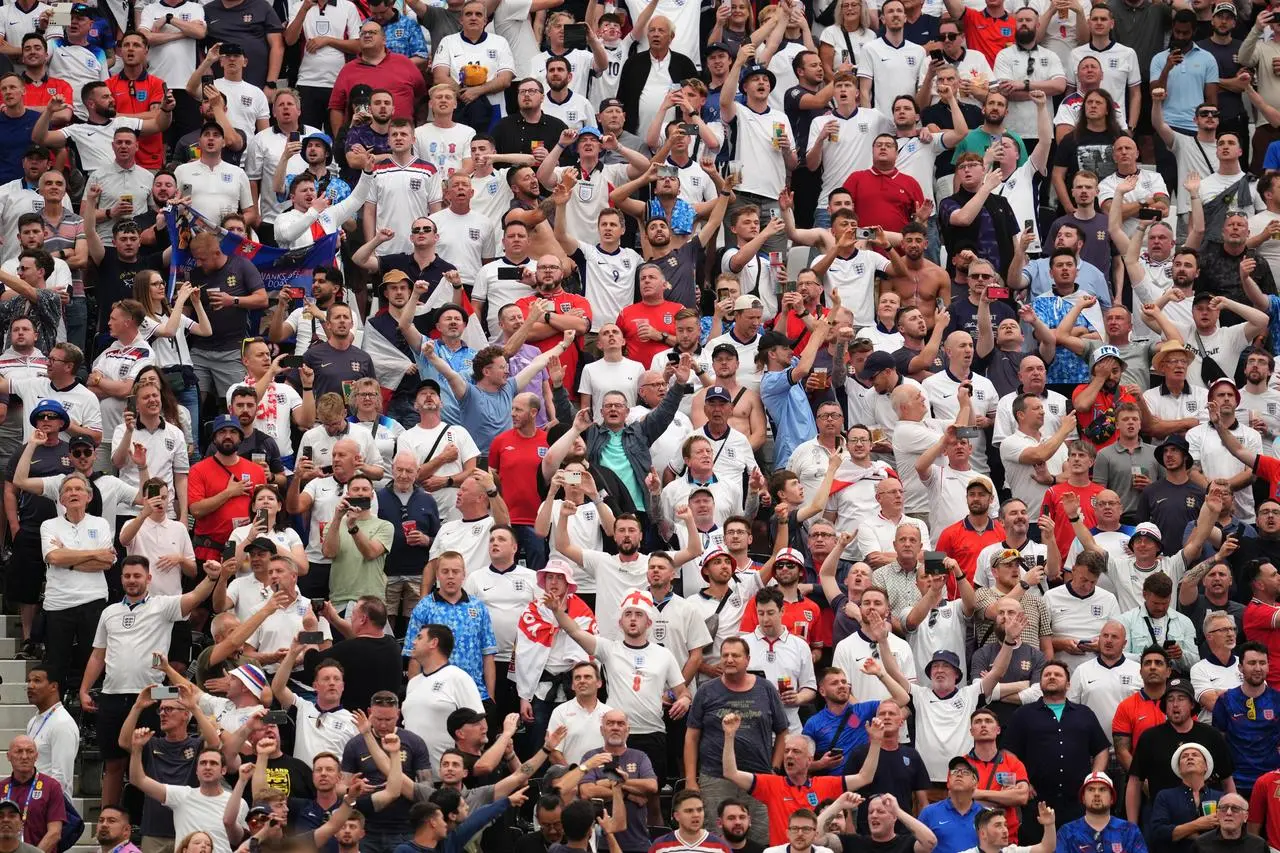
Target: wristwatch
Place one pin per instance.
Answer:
(353, 530)
(493, 493)
(1025, 586)
(235, 300)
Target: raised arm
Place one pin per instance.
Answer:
(730, 723)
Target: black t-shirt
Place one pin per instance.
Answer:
(1151, 756)
(940, 114)
(1170, 506)
(903, 842)
(1088, 150)
(247, 24)
(964, 315)
(288, 775)
(115, 280)
(369, 664)
(800, 118)
(336, 370)
(901, 772)
(1230, 104)
(514, 135)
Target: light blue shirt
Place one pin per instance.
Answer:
(484, 414)
(1184, 89)
(613, 457)
(1088, 277)
(788, 407)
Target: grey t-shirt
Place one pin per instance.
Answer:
(763, 716)
(173, 763)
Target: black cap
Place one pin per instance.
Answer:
(212, 125)
(37, 151)
(82, 441)
(462, 717)
(772, 339)
(610, 102)
(1202, 296)
(430, 383)
(1178, 685)
(724, 349)
(718, 45)
(230, 48)
(10, 804)
(361, 94)
(961, 761)
(876, 363)
(261, 543)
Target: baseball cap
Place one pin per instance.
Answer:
(588, 130)
(718, 45)
(876, 363)
(961, 761)
(718, 392)
(230, 48)
(746, 302)
(82, 9)
(36, 151)
(212, 125)
(702, 490)
(789, 555)
(82, 441)
(261, 543)
(1225, 8)
(772, 339)
(461, 717)
(258, 811)
(605, 104)
(1178, 685)
(1105, 351)
(724, 349)
(981, 481)
(361, 94)
(10, 804)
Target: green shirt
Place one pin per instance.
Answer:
(977, 141)
(613, 457)
(351, 575)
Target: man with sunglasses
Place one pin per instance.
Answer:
(1195, 150)
(420, 263)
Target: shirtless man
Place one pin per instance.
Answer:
(925, 282)
(527, 207)
(748, 412)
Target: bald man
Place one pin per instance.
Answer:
(44, 812)
(942, 389)
(1105, 680)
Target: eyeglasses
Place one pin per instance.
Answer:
(1229, 629)
(829, 416)
(170, 710)
(368, 394)
(802, 829)
(422, 230)
(981, 276)
(1233, 809)
(948, 36)
(82, 452)
(1207, 113)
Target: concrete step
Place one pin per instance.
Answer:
(13, 716)
(13, 694)
(10, 626)
(14, 671)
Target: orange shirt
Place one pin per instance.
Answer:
(134, 98)
(661, 317)
(802, 618)
(782, 799)
(1003, 771)
(1136, 713)
(208, 477)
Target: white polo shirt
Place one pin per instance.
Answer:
(115, 493)
(469, 537)
(892, 70)
(942, 389)
(321, 444)
(610, 281)
(156, 539)
(498, 292)
(428, 442)
(274, 415)
(57, 737)
(854, 278)
(1078, 618)
(583, 728)
(280, 629)
(430, 697)
(1056, 408)
(120, 362)
(1021, 477)
(877, 533)
(1215, 461)
(1102, 688)
(214, 191)
(507, 595)
(66, 588)
(851, 152)
(166, 458)
(130, 633)
(911, 439)
(320, 731)
(942, 725)
(680, 629)
(246, 595)
(1150, 185)
(1207, 674)
(785, 656)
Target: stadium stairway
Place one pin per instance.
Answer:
(14, 714)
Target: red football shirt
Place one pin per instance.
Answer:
(208, 477)
(1098, 425)
(1258, 626)
(515, 459)
(562, 303)
(963, 543)
(1005, 770)
(37, 95)
(1264, 806)
(661, 317)
(792, 325)
(1052, 507)
(1136, 713)
(986, 34)
(802, 618)
(134, 98)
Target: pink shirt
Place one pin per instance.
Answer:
(154, 540)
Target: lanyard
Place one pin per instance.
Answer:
(37, 784)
